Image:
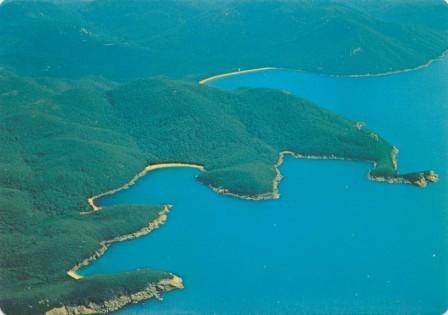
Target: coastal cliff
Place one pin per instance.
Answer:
(420, 179)
(151, 291)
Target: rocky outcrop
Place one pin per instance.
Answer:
(151, 291)
(420, 179)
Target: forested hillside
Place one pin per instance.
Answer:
(63, 141)
(91, 92)
(130, 39)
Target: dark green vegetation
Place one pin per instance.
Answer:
(63, 141)
(130, 39)
(67, 132)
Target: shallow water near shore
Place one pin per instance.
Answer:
(335, 242)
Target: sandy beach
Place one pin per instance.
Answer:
(364, 75)
(229, 74)
(146, 170)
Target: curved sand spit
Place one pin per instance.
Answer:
(425, 65)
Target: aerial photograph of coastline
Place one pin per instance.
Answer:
(224, 157)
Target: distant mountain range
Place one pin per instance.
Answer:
(124, 40)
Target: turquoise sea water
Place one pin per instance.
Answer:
(335, 242)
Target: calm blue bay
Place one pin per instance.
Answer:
(335, 242)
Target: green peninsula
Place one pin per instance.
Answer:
(92, 92)
(64, 141)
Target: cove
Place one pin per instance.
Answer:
(335, 242)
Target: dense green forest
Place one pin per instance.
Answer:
(63, 141)
(91, 92)
(189, 39)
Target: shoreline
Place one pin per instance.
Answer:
(175, 282)
(269, 195)
(153, 290)
(146, 170)
(104, 245)
(398, 179)
(382, 74)
(233, 73)
(364, 75)
(275, 193)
